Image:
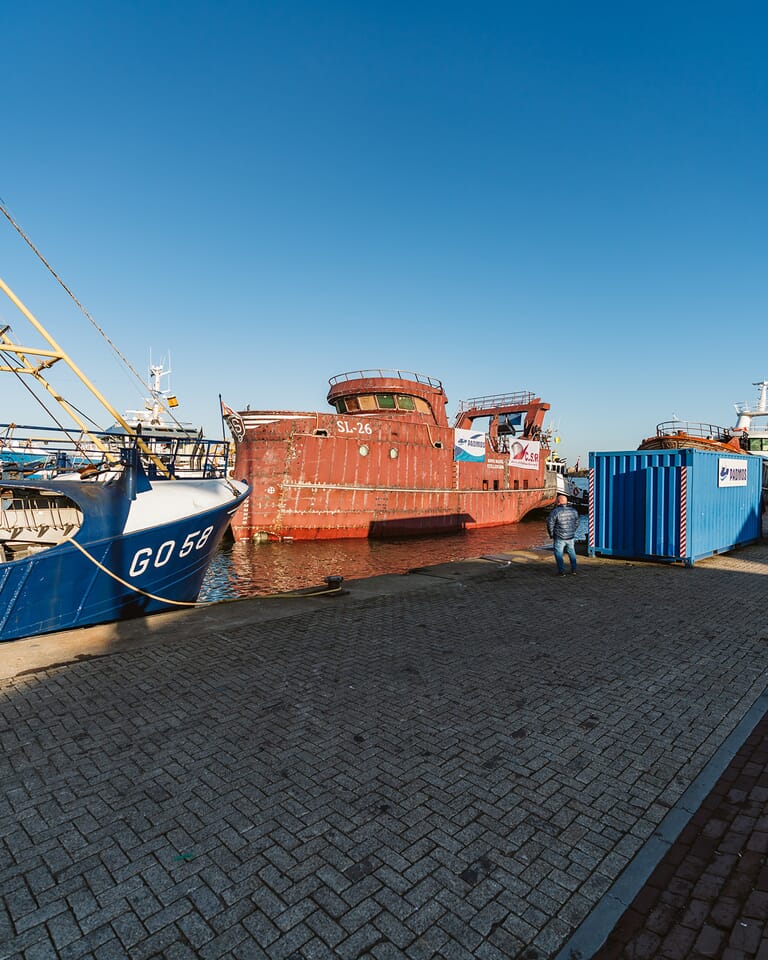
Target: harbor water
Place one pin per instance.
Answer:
(245, 569)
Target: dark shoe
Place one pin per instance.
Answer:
(573, 573)
(563, 574)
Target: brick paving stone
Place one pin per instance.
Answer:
(710, 942)
(315, 949)
(482, 793)
(194, 930)
(85, 946)
(63, 930)
(180, 951)
(224, 944)
(260, 927)
(746, 935)
(359, 943)
(756, 906)
(678, 943)
(248, 950)
(696, 914)
(112, 950)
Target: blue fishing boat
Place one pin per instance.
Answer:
(76, 551)
(118, 534)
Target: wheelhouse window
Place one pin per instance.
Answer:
(381, 401)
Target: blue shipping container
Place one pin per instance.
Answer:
(673, 505)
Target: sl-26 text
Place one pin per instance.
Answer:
(358, 427)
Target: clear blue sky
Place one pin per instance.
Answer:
(561, 197)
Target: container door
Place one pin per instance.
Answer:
(625, 517)
(662, 513)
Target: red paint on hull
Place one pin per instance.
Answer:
(381, 473)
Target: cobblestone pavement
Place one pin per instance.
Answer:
(461, 771)
(709, 895)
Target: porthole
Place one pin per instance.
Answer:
(394, 453)
(363, 450)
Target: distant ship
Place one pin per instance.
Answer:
(44, 451)
(749, 435)
(744, 437)
(153, 420)
(387, 463)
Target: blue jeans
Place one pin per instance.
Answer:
(569, 548)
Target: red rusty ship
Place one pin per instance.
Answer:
(387, 463)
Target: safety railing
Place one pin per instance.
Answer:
(705, 431)
(44, 452)
(386, 374)
(518, 399)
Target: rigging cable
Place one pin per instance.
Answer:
(65, 430)
(80, 306)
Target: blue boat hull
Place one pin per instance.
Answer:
(111, 578)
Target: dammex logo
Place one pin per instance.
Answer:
(469, 445)
(731, 473)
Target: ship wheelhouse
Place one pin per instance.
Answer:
(390, 393)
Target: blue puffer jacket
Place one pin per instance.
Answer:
(562, 522)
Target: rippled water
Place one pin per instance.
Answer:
(254, 569)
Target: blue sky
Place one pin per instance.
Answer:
(558, 197)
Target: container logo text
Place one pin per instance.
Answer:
(731, 473)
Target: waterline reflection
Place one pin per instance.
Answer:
(249, 570)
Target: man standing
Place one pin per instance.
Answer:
(561, 526)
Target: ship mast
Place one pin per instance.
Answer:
(48, 358)
(746, 410)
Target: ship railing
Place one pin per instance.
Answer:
(521, 398)
(752, 408)
(35, 451)
(188, 458)
(381, 373)
(706, 431)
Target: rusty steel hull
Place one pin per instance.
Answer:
(325, 476)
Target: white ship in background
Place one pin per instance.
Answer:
(155, 419)
(749, 435)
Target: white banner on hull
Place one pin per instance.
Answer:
(526, 454)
